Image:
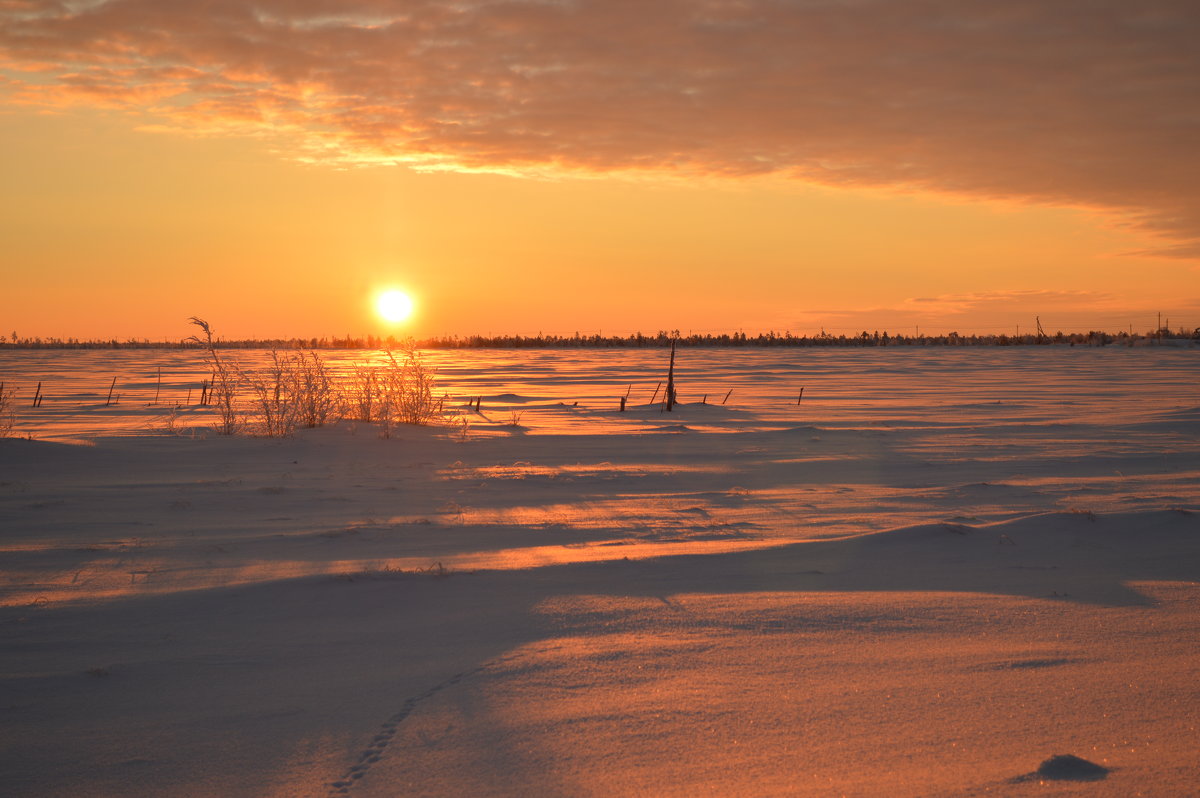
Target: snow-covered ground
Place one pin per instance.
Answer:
(938, 570)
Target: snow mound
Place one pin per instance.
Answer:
(1066, 767)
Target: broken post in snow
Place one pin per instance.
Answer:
(670, 395)
(801, 396)
(108, 401)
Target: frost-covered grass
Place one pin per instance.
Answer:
(298, 390)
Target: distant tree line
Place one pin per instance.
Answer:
(662, 338)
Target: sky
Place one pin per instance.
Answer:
(561, 166)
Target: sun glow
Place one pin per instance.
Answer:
(394, 306)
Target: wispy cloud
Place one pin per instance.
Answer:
(1080, 102)
(1003, 311)
(1004, 301)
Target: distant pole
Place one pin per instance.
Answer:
(801, 396)
(158, 386)
(108, 401)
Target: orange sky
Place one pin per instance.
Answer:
(703, 166)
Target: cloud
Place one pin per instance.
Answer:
(1004, 311)
(1007, 301)
(1088, 103)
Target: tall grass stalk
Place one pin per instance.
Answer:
(226, 377)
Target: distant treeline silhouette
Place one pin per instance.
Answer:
(662, 338)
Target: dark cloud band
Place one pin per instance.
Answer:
(1078, 102)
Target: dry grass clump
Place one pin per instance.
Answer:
(297, 390)
(398, 391)
(8, 413)
(405, 390)
(363, 394)
(272, 404)
(314, 395)
(435, 570)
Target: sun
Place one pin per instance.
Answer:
(394, 306)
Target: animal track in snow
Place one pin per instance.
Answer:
(387, 731)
